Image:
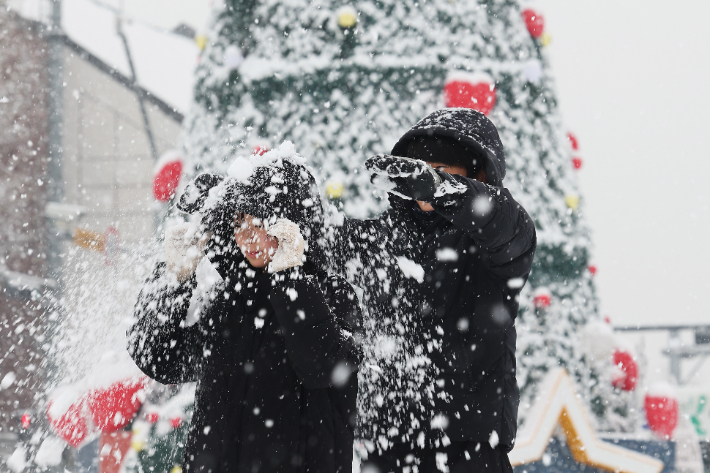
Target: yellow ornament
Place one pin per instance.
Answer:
(334, 190)
(347, 17)
(137, 445)
(176, 469)
(546, 39)
(572, 201)
(201, 41)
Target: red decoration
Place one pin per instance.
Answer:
(259, 150)
(476, 91)
(577, 163)
(152, 417)
(607, 319)
(573, 141)
(175, 422)
(534, 22)
(113, 408)
(661, 413)
(25, 421)
(592, 269)
(112, 450)
(71, 425)
(627, 374)
(168, 171)
(542, 298)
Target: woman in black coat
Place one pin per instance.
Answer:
(273, 351)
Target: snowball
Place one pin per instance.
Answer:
(447, 254)
(241, 169)
(516, 283)
(50, 452)
(482, 205)
(493, 439)
(441, 462)
(439, 421)
(410, 269)
(7, 380)
(340, 375)
(18, 460)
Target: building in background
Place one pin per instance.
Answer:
(106, 164)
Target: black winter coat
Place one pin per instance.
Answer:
(264, 365)
(476, 250)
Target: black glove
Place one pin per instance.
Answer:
(412, 178)
(194, 196)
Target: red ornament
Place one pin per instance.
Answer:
(661, 412)
(542, 298)
(476, 91)
(534, 21)
(112, 450)
(71, 424)
(592, 269)
(113, 408)
(175, 422)
(25, 421)
(168, 171)
(259, 150)
(626, 375)
(152, 417)
(573, 141)
(577, 163)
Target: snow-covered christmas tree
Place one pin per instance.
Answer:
(344, 80)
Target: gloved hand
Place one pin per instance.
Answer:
(406, 177)
(184, 248)
(291, 245)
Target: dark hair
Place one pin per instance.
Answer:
(445, 150)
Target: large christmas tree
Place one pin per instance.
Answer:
(344, 80)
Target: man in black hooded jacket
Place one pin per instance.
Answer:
(441, 272)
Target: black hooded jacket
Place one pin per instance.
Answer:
(273, 355)
(456, 318)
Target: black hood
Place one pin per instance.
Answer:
(471, 128)
(279, 188)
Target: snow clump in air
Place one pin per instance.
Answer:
(410, 269)
(243, 167)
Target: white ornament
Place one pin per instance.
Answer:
(533, 72)
(233, 57)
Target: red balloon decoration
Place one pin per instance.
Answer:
(476, 91)
(166, 181)
(25, 421)
(577, 162)
(627, 374)
(259, 150)
(542, 298)
(573, 141)
(534, 22)
(175, 422)
(71, 424)
(661, 412)
(112, 408)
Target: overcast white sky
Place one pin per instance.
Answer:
(633, 79)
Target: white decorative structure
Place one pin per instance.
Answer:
(557, 403)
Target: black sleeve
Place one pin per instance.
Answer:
(499, 225)
(158, 341)
(356, 247)
(317, 341)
